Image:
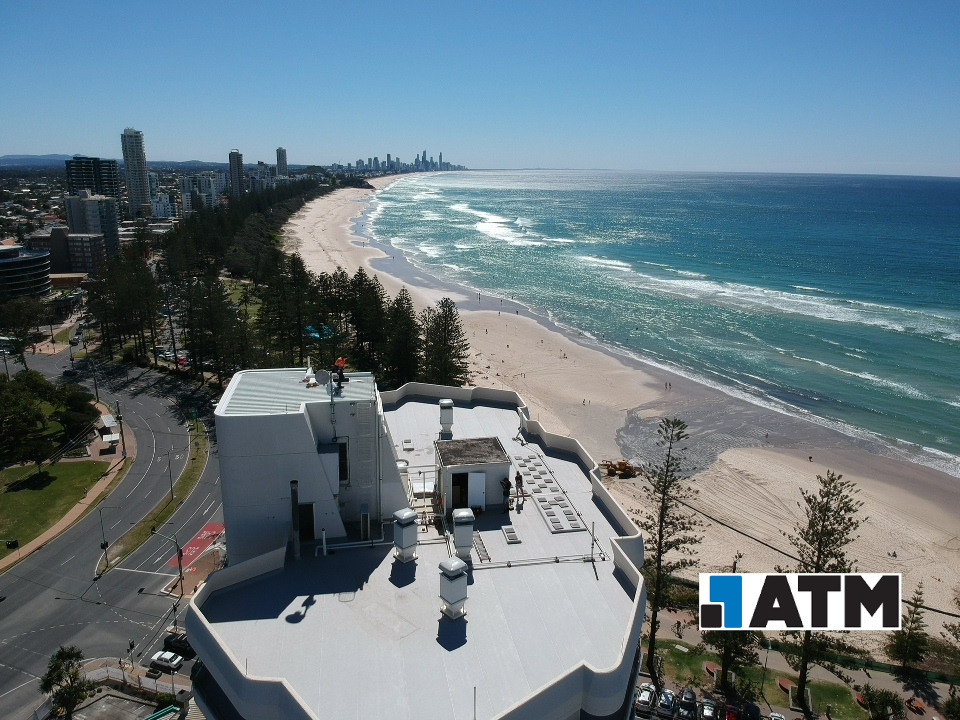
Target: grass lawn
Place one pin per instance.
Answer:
(63, 336)
(31, 502)
(683, 664)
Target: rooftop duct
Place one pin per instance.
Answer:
(405, 534)
(453, 587)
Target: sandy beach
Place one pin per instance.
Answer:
(751, 462)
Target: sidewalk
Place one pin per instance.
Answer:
(83, 506)
(777, 665)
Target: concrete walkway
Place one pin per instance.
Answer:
(777, 665)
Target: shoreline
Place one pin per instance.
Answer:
(751, 460)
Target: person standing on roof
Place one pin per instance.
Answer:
(518, 481)
(338, 366)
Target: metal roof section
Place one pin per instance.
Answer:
(272, 392)
(548, 628)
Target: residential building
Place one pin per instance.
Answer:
(282, 162)
(52, 239)
(262, 177)
(90, 214)
(164, 205)
(100, 177)
(88, 252)
(373, 573)
(237, 187)
(135, 172)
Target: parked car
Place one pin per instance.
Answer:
(708, 710)
(666, 704)
(645, 701)
(687, 706)
(731, 712)
(178, 643)
(70, 372)
(167, 661)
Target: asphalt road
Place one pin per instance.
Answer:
(53, 597)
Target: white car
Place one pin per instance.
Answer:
(167, 661)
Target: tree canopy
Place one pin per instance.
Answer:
(65, 680)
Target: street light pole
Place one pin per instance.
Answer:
(103, 534)
(170, 472)
(153, 531)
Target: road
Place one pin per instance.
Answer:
(53, 597)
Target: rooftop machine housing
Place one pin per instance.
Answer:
(469, 471)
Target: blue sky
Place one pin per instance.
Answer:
(860, 87)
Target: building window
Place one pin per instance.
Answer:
(344, 463)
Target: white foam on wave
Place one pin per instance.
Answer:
(605, 262)
(899, 387)
(430, 215)
(485, 216)
(751, 297)
(429, 250)
(504, 233)
(688, 273)
(809, 288)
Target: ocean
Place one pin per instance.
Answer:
(835, 298)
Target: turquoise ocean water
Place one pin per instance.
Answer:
(833, 297)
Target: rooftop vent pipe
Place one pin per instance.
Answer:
(405, 534)
(446, 417)
(453, 587)
(463, 532)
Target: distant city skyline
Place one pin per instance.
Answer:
(858, 87)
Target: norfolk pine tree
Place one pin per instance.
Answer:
(445, 346)
(821, 541)
(668, 526)
(401, 357)
(908, 645)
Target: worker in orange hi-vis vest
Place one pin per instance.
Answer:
(339, 365)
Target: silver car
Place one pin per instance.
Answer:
(167, 661)
(645, 702)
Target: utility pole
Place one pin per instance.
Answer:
(123, 440)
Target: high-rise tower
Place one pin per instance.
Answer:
(135, 164)
(100, 177)
(236, 173)
(281, 161)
